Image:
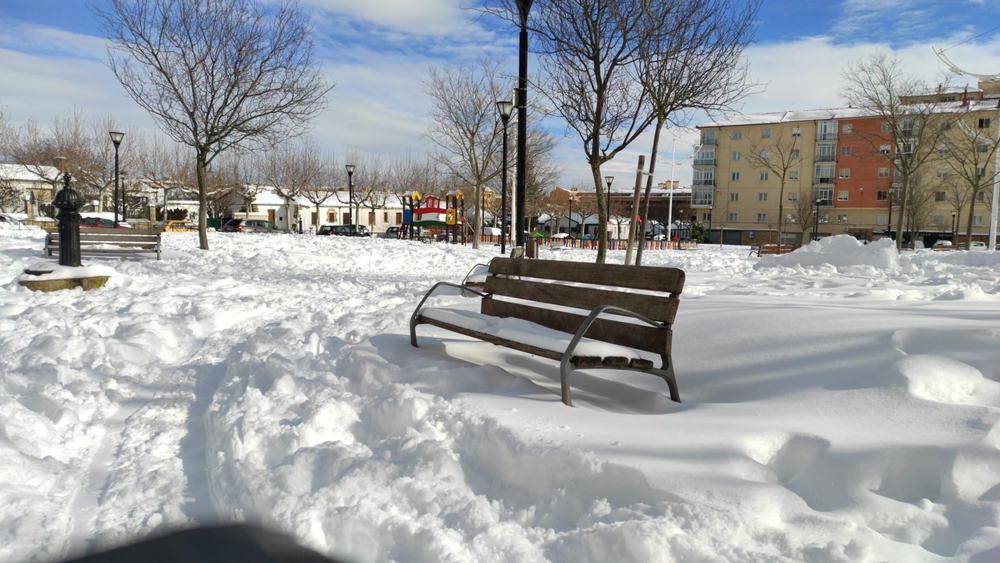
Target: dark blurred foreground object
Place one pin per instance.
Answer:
(225, 544)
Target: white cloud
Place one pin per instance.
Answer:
(417, 17)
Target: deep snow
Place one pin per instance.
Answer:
(841, 403)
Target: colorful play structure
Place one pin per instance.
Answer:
(429, 213)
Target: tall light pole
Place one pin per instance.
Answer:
(954, 216)
(569, 221)
(816, 220)
(116, 138)
(350, 194)
(609, 180)
(523, 7)
(504, 107)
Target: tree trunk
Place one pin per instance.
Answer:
(202, 200)
(660, 120)
(635, 209)
(602, 212)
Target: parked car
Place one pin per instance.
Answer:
(248, 226)
(100, 223)
(180, 226)
(942, 245)
(392, 232)
(977, 245)
(344, 230)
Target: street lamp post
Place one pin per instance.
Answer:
(504, 107)
(569, 220)
(609, 180)
(709, 235)
(816, 220)
(954, 217)
(523, 7)
(888, 224)
(350, 194)
(116, 138)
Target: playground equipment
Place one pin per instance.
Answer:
(447, 219)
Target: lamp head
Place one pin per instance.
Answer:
(116, 137)
(609, 179)
(350, 169)
(505, 107)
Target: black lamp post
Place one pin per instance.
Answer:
(816, 220)
(504, 107)
(523, 7)
(350, 194)
(609, 180)
(116, 138)
(708, 237)
(954, 217)
(569, 221)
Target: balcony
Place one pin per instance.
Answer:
(704, 162)
(709, 182)
(826, 136)
(822, 180)
(826, 158)
(702, 202)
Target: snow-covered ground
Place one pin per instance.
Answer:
(841, 403)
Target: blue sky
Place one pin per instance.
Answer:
(378, 53)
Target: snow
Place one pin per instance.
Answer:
(841, 403)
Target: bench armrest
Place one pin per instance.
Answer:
(564, 367)
(416, 312)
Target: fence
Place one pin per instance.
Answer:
(589, 243)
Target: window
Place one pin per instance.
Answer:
(764, 176)
(883, 172)
(702, 197)
(796, 131)
(385, 217)
(886, 127)
(940, 196)
(908, 148)
(827, 131)
(793, 196)
(794, 154)
(880, 218)
(882, 195)
(762, 196)
(937, 220)
(982, 147)
(945, 125)
(765, 133)
(885, 149)
(981, 197)
(824, 218)
(737, 155)
(841, 195)
(703, 177)
(943, 149)
(941, 172)
(734, 177)
(706, 216)
(841, 217)
(733, 217)
(845, 151)
(708, 137)
(733, 196)
(765, 154)
(331, 217)
(908, 126)
(845, 173)
(762, 217)
(824, 174)
(984, 123)
(826, 152)
(399, 218)
(825, 195)
(737, 135)
(793, 174)
(789, 218)
(977, 220)
(847, 128)
(980, 171)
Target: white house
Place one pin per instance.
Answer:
(292, 213)
(36, 185)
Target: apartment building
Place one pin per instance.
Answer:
(831, 172)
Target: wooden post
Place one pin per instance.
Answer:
(639, 173)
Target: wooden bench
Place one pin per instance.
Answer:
(562, 313)
(110, 241)
(762, 249)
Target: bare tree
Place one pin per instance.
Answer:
(969, 149)
(878, 84)
(777, 155)
(216, 75)
(292, 170)
(466, 127)
(694, 61)
(586, 48)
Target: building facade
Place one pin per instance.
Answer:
(832, 172)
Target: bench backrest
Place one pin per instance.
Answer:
(651, 292)
(113, 235)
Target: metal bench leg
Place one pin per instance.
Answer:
(667, 373)
(564, 368)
